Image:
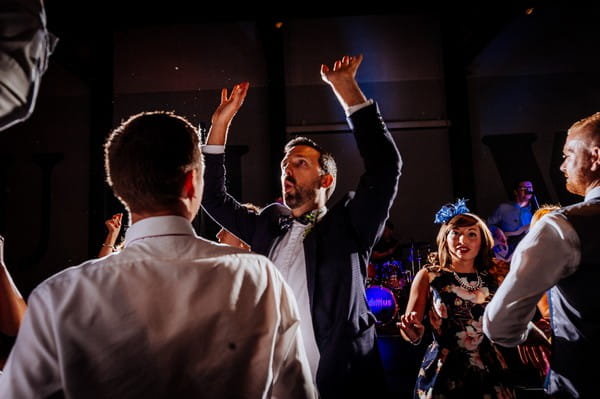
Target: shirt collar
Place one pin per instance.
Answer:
(158, 226)
(322, 212)
(593, 193)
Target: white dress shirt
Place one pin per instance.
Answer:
(288, 256)
(547, 254)
(170, 316)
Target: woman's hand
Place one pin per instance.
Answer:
(411, 328)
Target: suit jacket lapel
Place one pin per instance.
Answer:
(268, 230)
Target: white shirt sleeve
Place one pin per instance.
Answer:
(32, 369)
(213, 149)
(547, 254)
(353, 108)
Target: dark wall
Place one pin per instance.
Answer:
(46, 184)
(536, 77)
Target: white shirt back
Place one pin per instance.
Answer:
(171, 315)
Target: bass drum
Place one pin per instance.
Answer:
(382, 303)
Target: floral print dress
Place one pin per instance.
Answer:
(461, 362)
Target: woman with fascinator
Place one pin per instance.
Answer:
(453, 292)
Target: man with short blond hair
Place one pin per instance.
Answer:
(560, 254)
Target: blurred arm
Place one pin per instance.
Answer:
(12, 304)
(25, 46)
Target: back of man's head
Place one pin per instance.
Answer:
(146, 159)
(591, 125)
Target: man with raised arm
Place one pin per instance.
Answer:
(322, 253)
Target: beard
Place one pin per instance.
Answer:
(575, 187)
(300, 195)
(577, 182)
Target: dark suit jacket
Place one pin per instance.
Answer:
(337, 251)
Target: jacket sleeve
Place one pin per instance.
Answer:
(378, 185)
(222, 207)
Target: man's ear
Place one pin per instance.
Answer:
(188, 190)
(326, 180)
(595, 158)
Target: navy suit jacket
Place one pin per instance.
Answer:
(337, 252)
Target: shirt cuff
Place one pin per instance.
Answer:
(213, 149)
(353, 108)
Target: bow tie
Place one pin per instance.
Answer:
(309, 218)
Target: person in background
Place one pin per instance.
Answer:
(12, 308)
(113, 225)
(453, 292)
(511, 219)
(171, 315)
(387, 246)
(25, 47)
(323, 253)
(501, 249)
(560, 254)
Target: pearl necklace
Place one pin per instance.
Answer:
(468, 286)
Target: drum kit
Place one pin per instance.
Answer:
(388, 283)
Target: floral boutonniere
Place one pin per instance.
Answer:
(311, 219)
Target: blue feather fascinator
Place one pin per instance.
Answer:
(448, 211)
